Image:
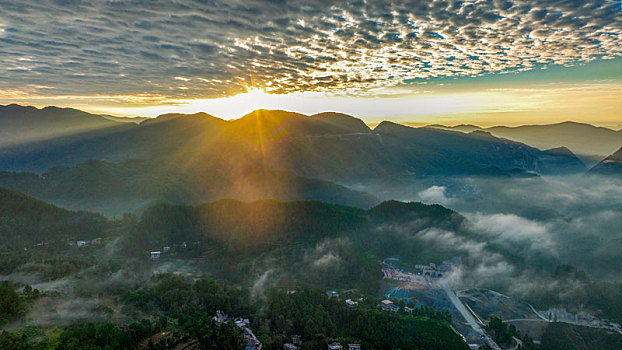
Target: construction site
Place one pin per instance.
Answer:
(427, 287)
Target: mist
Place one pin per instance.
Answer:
(532, 238)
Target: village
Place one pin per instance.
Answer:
(423, 287)
(252, 343)
(426, 277)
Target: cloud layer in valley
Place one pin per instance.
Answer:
(573, 220)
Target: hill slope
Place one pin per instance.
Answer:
(38, 139)
(611, 165)
(316, 242)
(25, 221)
(583, 139)
(20, 125)
(116, 188)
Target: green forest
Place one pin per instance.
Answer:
(184, 310)
(267, 261)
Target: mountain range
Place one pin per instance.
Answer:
(314, 145)
(113, 167)
(590, 143)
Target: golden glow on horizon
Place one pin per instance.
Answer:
(599, 104)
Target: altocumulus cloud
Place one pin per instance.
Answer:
(219, 48)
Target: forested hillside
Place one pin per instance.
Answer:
(25, 221)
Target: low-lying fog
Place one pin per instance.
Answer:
(538, 222)
(518, 232)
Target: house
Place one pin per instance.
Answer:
(251, 344)
(389, 306)
(335, 346)
(155, 255)
(81, 243)
(332, 293)
(166, 249)
(296, 340)
(408, 310)
(221, 318)
(354, 346)
(242, 323)
(289, 346)
(351, 303)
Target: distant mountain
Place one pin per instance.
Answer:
(116, 188)
(275, 154)
(330, 146)
(135, 120)
(21, 125)
(38, 139)
(314, 147)
(461, 127)
(25, 221)
(583, 139)
(561, 160)
(611, 165)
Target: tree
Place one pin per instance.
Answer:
(9, 302)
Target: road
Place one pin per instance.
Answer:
(470, 319)
(517, 344)
(462, 309)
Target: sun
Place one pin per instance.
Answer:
(254, 98)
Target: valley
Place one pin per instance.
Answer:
(280, 214)
(310, 175)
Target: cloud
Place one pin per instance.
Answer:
(511, 229)
(261, 283)
(571, 219)
(326, 252)
(452, 239)
(57, 312)
(435, 194)
(222, 47)
(519, 231)
(327, 259)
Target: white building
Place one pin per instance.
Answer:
(335, 346)
(351, 303)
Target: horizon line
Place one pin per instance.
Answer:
(371, 125)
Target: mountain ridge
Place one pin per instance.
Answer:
(612, 165)
(577, 136)
(279, 139)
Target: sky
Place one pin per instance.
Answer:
(425, 61)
